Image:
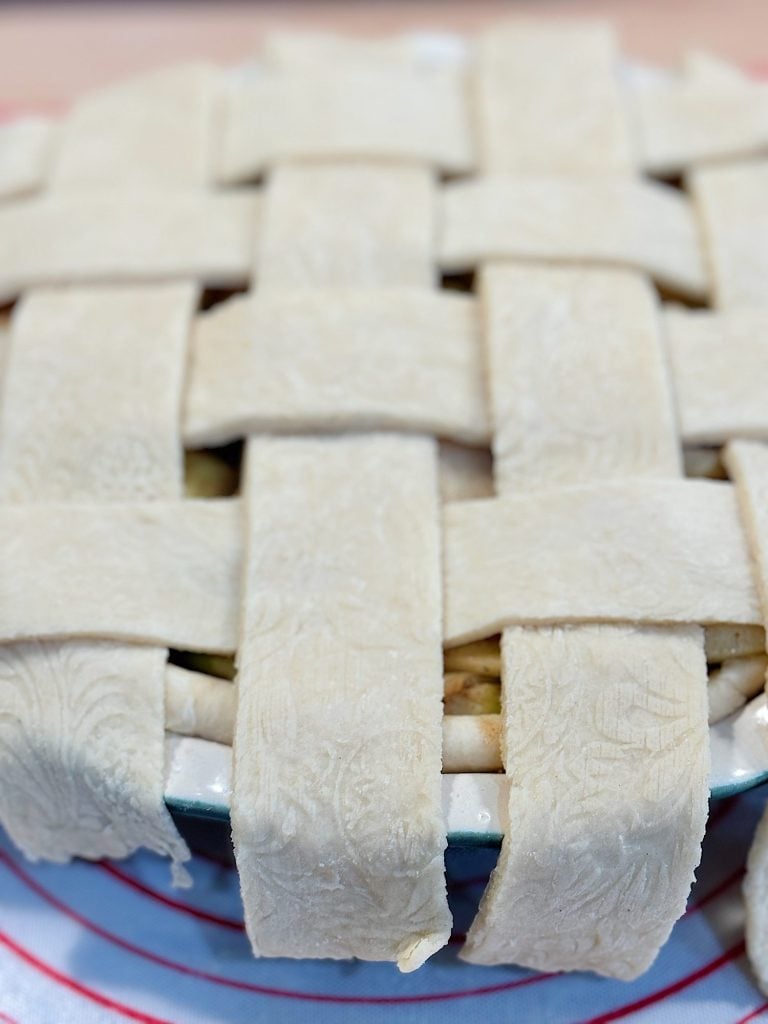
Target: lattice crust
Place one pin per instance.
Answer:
(347, 226)
(588, 328)
(711, 111)
(91, 412)
(643, 225)
(152, 132)
(341, 641)
(594, 566)
(148, 235)
(720, 367)
(392, 113)
(733, 206)
(25, 150)
(570, 351)
(549, 100)
(162, 572)
(629, 551)
(92, 394)
(298, 360)
(606, 743)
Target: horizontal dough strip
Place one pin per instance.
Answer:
(359, 359)
(305, 360)
(632, 551)
(169, 572)
(165, 572)
(146, 235)
(641, 225)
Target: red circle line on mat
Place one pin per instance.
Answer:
(246, 986)
(74, 986)
(670, 990)
(5, 1019)
(185, 908)
(681, 983)
(753, 1015)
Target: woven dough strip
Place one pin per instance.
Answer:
(336, 813)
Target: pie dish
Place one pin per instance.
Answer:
(466, 348)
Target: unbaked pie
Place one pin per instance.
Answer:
(376, 263)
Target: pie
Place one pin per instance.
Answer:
(446, 334)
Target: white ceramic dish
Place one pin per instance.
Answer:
(198, 775)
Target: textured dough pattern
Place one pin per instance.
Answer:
(308, 360)
(720, 370)
(390, 113)
(151, 132)
(94, 381)
(588, 554)
(732, 201)
(71, 237)
(339, 838)
(353, 225)
(81, 751)
(621, 221)
(164, 572)
(549, 100)
(593, 879)
(570, 351)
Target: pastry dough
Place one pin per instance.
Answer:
(569, 351)
(307, 361)
(643, 225)
(25, 151)
(336, 812)
(695, 117)
(150, 132)
(640, 551)
(145, 235)
(95, 377)
(720, 370)
(81, 751)
(354, 225)
(81, 724)
(386, 111)
(199, 705)
(607, 800)
(549, 99)
(735, 682)
(747, 464)
(732, 202)
(164, 572)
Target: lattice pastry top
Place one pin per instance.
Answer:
(374, 262)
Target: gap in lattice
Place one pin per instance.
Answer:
(211, 297)
(463, 282)
(213, 472)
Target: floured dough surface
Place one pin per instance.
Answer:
(344, 110)
(81, 751)
(645, 551)
(166, 572)
(732, 202)
(747, 463)
(336, 810)
(720, 364)
(153, 131)
(570, 351)
(646, 226)
(308, 361)
(25, 152)
(697, 116)
(148, 235)
(92, 394)
(596, 881)
(549, 99)
(353, 225)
